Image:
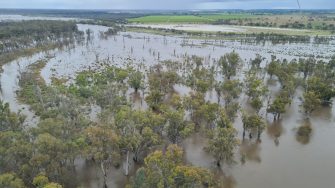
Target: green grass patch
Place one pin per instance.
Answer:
(171, 19)
(215, 17)
(201, 18)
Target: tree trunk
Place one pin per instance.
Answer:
(127, 164)
(104, 173)
(243, 133)
(73, 165)
(218, 163)
(135, 158)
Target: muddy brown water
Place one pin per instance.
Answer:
(279, 160)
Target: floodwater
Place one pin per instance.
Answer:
(148, 49)
(9, 82)
(215, 28)
(279, 160)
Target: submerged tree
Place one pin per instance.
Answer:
(307, 66)
(177, 128)
(155, 99)
(257, 61)
(272, 67)
(321, 88)
(277, 108)
(166, 169)
(229, 64)
(252, 123)
(222, 144)
(136, 80)
(103, 148)
(256, 90)
(311, 102)
(231, 90)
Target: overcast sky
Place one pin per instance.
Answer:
(168, 4)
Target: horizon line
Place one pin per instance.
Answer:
(139, 9)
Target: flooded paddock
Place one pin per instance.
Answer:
(148, 49)
(214, 28)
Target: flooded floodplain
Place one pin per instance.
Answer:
(219, 28)
(278, 160)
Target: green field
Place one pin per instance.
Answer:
(202, 18)
(216, 17)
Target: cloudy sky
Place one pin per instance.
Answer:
(168, 4)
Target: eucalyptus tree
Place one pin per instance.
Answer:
(222, 144)
(256, 90)
(155, 99)
(201, 112)
(278, 106)
(273, 66)
(231, 110)
(9, 121)
(41, 181)
(256, 63)
(229, 64)
(200, 79)
(307, 66)
(325, 91)
(49, 155)
(231, 90)
(103, 147)
(252, 123)
(311, 102)
(177, 128)
(166, 169)
(163, 81)
(136, 80)
(11, 180)
(15, 153)
(136, 132)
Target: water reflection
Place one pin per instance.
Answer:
(304, 132)
(275, 130)
(225, 180)
(250, 151)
